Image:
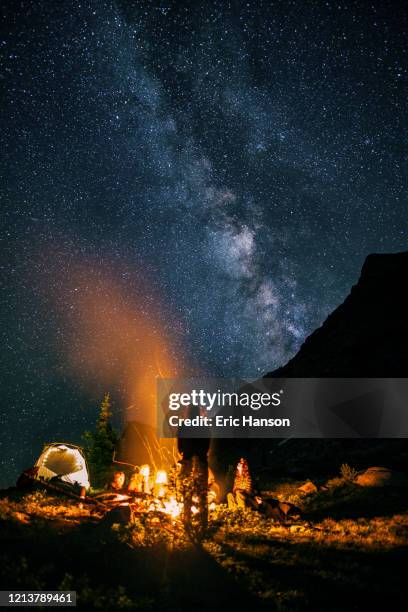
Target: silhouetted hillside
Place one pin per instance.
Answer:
(367, 335)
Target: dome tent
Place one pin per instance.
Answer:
(64, 460)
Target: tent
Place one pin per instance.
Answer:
(64, 460)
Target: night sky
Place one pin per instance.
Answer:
(186, 188)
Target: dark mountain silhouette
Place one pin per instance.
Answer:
(367, 335)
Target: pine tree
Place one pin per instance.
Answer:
(104, 414)
(100, 445)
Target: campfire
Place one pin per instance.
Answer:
(155, 493)
(146, 494)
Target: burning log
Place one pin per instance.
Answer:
(110, 499)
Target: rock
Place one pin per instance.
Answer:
(289, 509)
(308, 488)
(121, 514)
(381, 477)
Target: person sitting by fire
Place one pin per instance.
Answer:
(136, 482)
(118, 482)
(213, 489)
(242, 494)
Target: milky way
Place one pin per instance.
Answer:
(234, 162)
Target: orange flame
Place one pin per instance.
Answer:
(173, 507)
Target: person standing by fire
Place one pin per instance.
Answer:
(194, 471)
(242, 487)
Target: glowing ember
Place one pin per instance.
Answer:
(194, 510)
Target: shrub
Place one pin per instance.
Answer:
(348, 473)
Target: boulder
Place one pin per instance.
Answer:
(308, 488)
(121, 514)
(381, 477)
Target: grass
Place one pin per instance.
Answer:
(323, 567)
(38, 505)
(348, 550)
